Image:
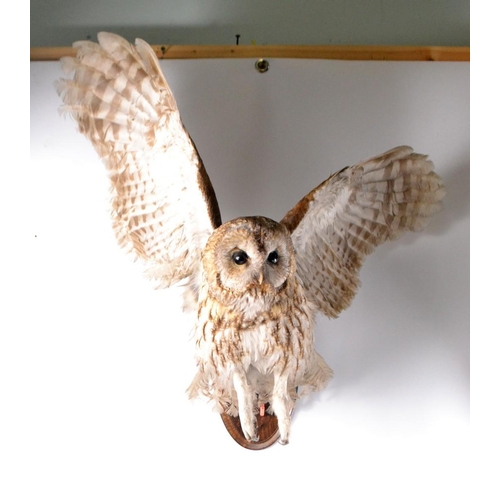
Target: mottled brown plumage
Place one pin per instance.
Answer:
(256, 284)
(254, 334)
(341, 221)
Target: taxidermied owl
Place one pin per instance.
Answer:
(256, 284)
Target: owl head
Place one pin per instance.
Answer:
(249, 254)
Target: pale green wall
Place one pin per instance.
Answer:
(371, 22)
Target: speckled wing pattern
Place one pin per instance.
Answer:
(342, 220)
(164, 207)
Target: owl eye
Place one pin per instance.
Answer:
(239, 257)
(273, 257)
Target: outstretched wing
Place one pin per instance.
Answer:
(341, 221)
(164, 206)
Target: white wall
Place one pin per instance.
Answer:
(106, 360)
(371, 22)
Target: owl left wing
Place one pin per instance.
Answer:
(163, 205)
(341, 221)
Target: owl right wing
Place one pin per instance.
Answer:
(341, 221)
(163, 204)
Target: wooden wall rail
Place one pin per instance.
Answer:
(345, 52)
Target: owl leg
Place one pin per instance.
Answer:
(245, 406)
(282, 406)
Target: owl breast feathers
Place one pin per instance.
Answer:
(256, 283)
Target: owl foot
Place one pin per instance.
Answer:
(249, 429)
(282, 406)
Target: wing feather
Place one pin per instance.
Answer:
(341, 221)
(163, 203)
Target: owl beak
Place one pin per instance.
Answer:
(259, 278)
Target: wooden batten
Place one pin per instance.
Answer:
(339, 52)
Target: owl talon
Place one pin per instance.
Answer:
(253, 438)
(249, 427)
(283, 441)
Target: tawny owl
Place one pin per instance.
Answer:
(256, 284)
